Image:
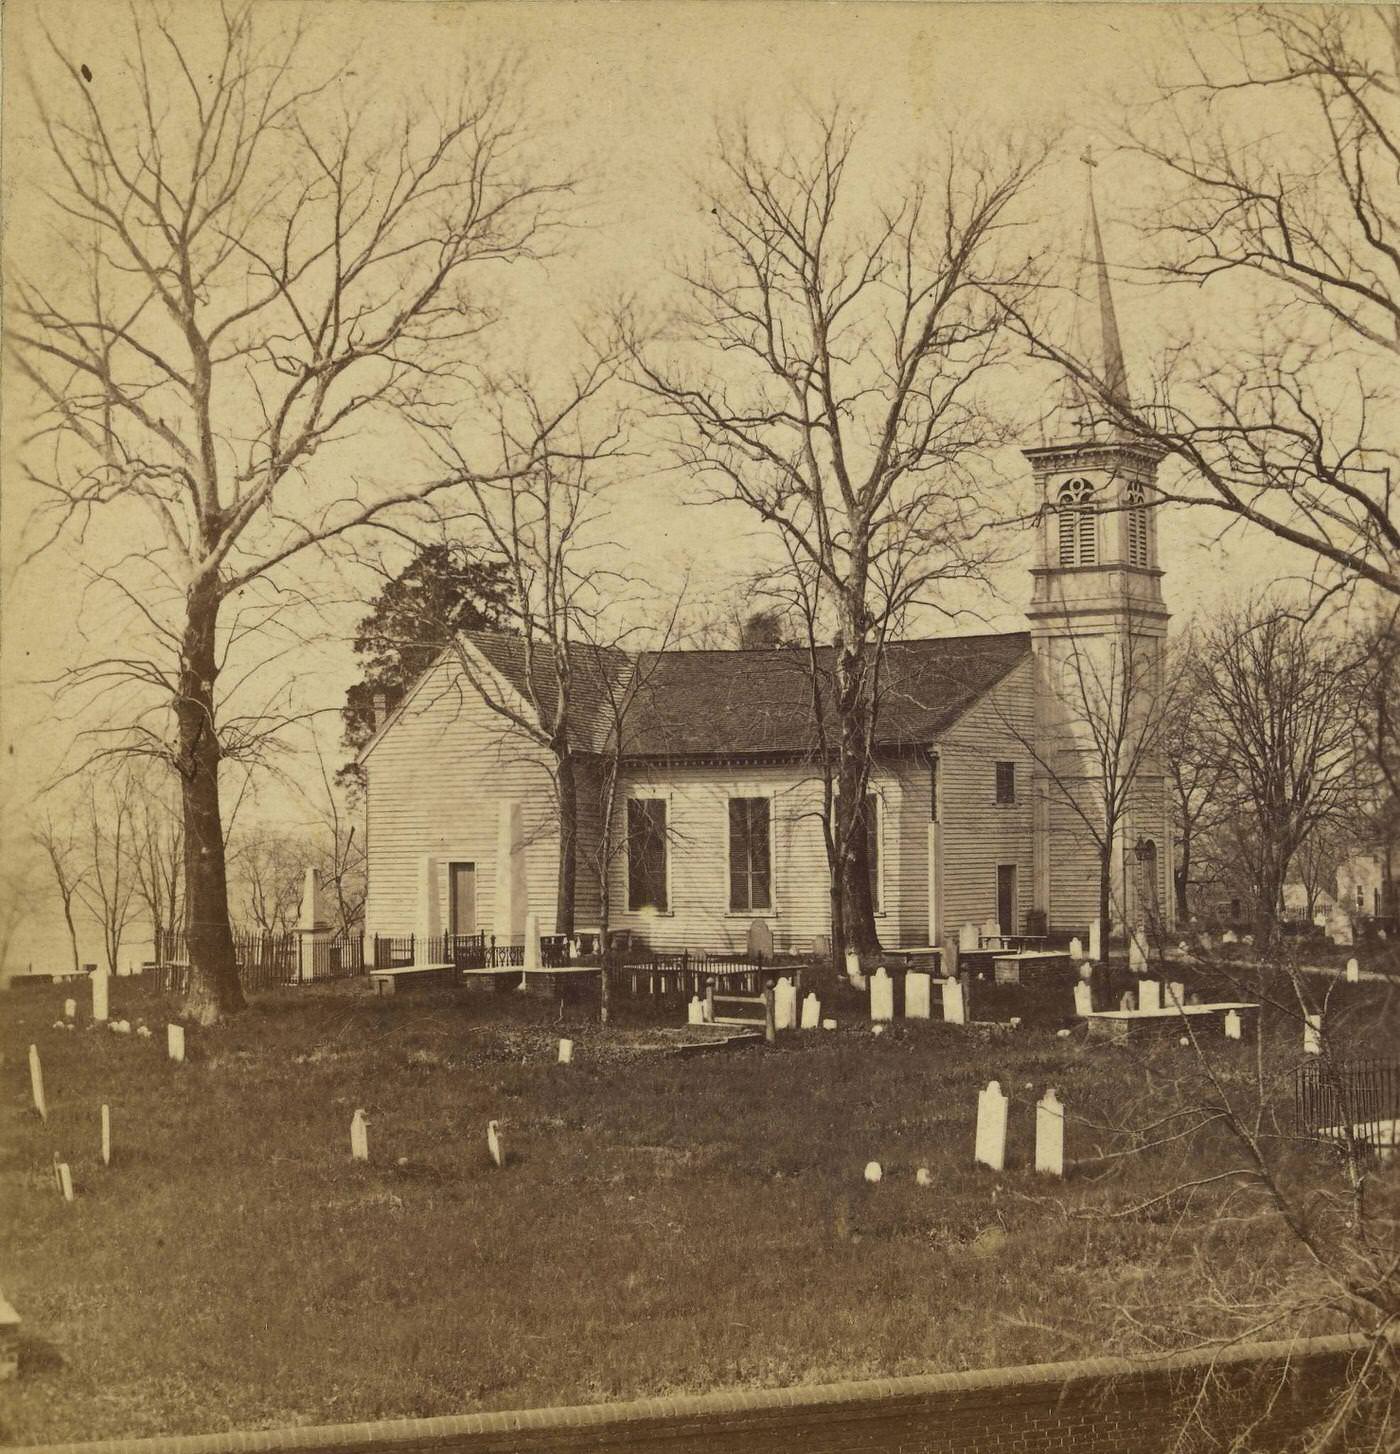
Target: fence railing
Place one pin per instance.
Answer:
(266, 961)
(1362, 1096)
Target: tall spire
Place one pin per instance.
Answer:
(1094, 342)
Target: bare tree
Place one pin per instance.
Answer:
(1279, 700)
(266, 871)
(1196, 777)
(827, 376)
(61, 846)
(1274, 152)
(107, 881)
(250, 270)
(158, 849)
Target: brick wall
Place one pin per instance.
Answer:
(1263, 1393)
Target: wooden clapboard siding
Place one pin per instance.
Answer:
(977, 832)
(1074, 862)
(436, 778)
(698, 825)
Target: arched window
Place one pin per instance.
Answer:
(1136, 502)
(1079, 526)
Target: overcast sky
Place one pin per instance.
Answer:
(628, 94)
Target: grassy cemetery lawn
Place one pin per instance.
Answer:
(663, 1223)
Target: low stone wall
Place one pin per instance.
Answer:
(1264, 1392)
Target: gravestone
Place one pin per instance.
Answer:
(1128, 1002)
(949, 957)
(922, 1177)
(36, 1083)
(1312, 1034)
(881, 995)
(1353, 972)
(1050, 1135)
(918, 995)
(1149, 994)
(991, 929)
(954, 1006)
(508, 909)
(873, 1172)
(1137, 949)
(784, 1004)
(760, 940)
(532, 942)
(359, 1137)
(1095, 940)
(991, 1128)
(1233, 1025)
(70, 1009)
(1083, 999)
(106, 1136)
(1076, 950)
(968, 939)
(65, 1181)
(811, 1012)
(853, 972)
(1176, 994)
(175, 1043)
(695, 1011)
(828, 1024)
(99, 996)
(566, 1052)
(1229, 937)
(494, 1144)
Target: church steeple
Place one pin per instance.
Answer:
(1094, 342)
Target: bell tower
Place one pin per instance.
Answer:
(1098, 630)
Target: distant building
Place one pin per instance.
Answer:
(1366, 884)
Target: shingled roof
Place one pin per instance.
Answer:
(706, 704)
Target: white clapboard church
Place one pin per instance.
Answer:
(982, 743)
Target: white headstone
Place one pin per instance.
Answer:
(954, 1010)
(828, 1024)
(1095, 940)
(532, 942)
(1050, 1135)
(1229, 937)
(566, 1052)
(70, 1009)
(968, 939)
(922, 1177)
(1176, 993)
(99, 995)
(359, 1137)
(918, 995)
(65, 1181)
(1149, 994)
(811, 1012)
(494, 1144)
(1076, 950)
(784, 1004)
(122, 1027)
(873, 1173)
(36, 1083)
(1083, 999)
(1128, 1001)
(106, 1136)
(1233, 1025)
(1137, 949)
(1312, 1034)
(695, 1011)
(508, 911)
(881, 995)
(991, 1128)
(144, 1031)
(991, 929)
(853, 971)
(1353, 972)
(175, 1043)
(313, 914)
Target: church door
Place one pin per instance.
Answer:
(1006, 898)
(461, 879)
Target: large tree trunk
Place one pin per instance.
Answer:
(855, 712)
(214, 990)
(568, 843)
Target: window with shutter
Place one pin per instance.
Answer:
(646, 853)
(750, 854)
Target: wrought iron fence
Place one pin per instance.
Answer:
(1360, 1096)
(266, 961)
